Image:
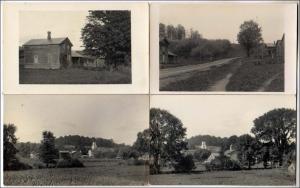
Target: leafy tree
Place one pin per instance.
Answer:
(249, 35)
(48, 152)
(195, 34)
(180, 32)
(248, 149)
(142, 142)
(162, 31)
(9, 142)
(166, 139)
(202, 154)
(185, 164)
(277, 126)
(171, 32)
(108, 34)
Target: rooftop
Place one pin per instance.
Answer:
(52, 41)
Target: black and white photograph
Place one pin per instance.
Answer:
(244, 140)
(64, 140)
(75, 47)
(222, 47)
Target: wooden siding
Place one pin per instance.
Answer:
(48, 57)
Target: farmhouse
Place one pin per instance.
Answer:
(165, 56)
(48, 53)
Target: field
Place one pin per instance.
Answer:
(254, 76)
(95, 172)
(244, 177)
(75, 76)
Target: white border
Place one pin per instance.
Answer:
(140, 49)
(290, 46)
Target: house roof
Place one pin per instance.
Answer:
(36, 42)
(270, 44)
(214, 149)
(171, 53)
(80, 54)
(76, 54)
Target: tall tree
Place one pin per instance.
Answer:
(277, 126)
(166, 139)
(248, 149)
(162, 31)
(249, 35)
(108, 34)
(171, 32)
(180, 31)
(142, 142)
(48, 152)
(9, 142)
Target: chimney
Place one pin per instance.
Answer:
(49, 35)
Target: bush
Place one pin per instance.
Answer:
(72, 163)
(202, 154)
(185, 164)
(17, 165)
(223, 164)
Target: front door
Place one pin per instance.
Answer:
(36, 59)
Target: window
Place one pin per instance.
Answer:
(36, 59)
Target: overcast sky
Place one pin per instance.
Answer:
(220, 115)
(119, 117)
(35, 24)
(222, 21)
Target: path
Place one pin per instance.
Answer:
(183, 72)
(265, 85)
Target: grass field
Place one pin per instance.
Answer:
(75, 76)
(244, 177)
(251, 76)
(201, 81)
(95, 172)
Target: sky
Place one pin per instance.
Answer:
(222, 21)
(220, 115)
(117, 117)
(35, 24)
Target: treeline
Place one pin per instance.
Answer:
(80, 141)
(193, 45)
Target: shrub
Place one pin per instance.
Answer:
(202, 154)
(72, 163)
(136, 162)
(17, 165)
(185, 164)
(223, 164)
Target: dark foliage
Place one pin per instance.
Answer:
(167, 136)
(277, 127)
(71, 163)
(108, 34)
(185, 164)
(48, 152)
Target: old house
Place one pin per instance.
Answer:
(48, 53)
(280, 50)
(166, 56)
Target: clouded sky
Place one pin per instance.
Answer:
(35, 24)
(222, 21)
(119, 117)
(220, 115)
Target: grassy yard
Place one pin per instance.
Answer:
(75, 76)
(252, 75)
(244, 177)
(201, 81)
(95, 172)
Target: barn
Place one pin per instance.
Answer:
(165, 55)
(48, 53)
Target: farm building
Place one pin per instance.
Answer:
(79, 59)
(48, 53)
(273, 50)
(165, 56)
